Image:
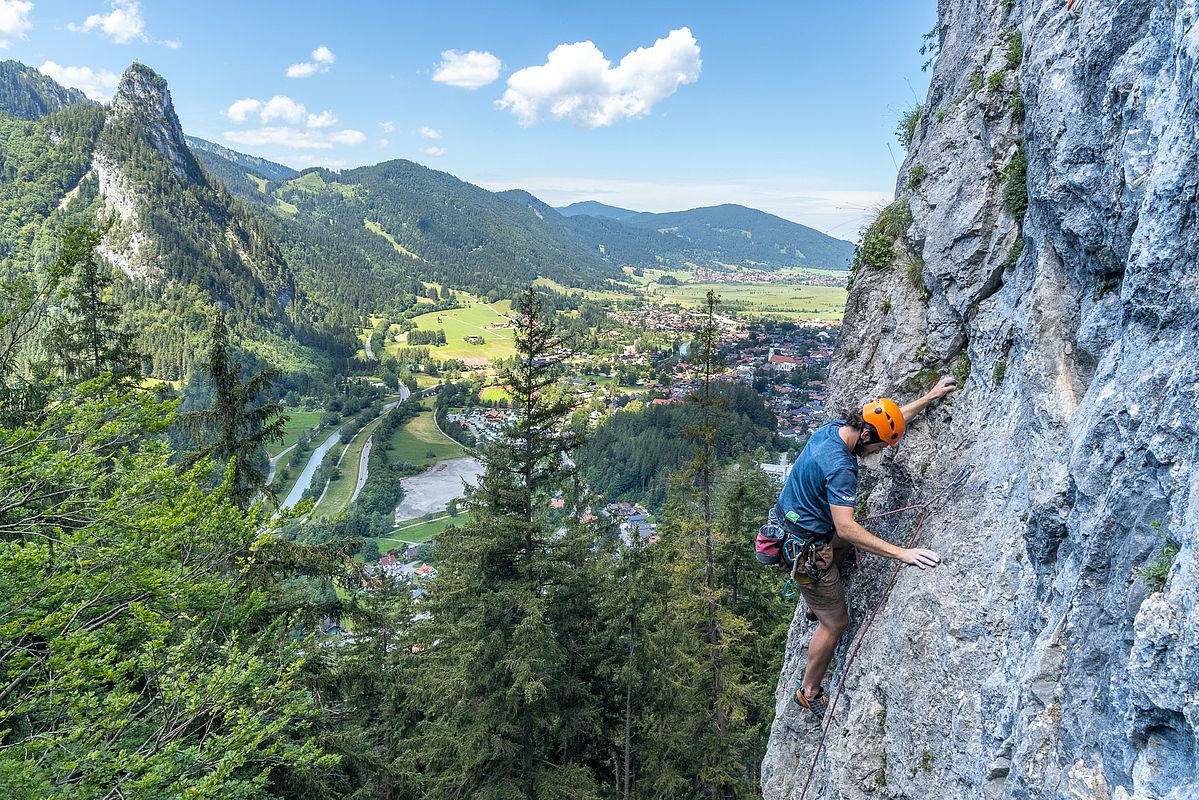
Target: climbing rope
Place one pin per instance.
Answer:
(924, 511)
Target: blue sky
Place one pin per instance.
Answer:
(785, 106)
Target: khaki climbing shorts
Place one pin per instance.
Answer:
(827, 594)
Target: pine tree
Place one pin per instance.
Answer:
(240, 422)
(511, 711)
(693, 736)
(86, 338)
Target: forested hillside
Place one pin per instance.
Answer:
(26, 93)
(179, 238)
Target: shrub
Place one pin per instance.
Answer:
(915, 271)
(961, 368)
(921, 352)
(886, 305)
(877, 248)
(995, 80)
(1156, 572)
(1013, 254)
(926, 759)
(906, 130)
(917, 174)
(942, 113)
(999, 371)
(976, 81)
(1008, 5)
(1015, 48)
(1015, 104)
(1015, 189)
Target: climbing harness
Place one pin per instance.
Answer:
(924, 508)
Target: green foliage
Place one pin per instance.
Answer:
(877, 248)
(1013, 254)
(995, 80)
(906, 130)
(881, 716)
(150, 647)
(914, 269)
(976, 81)
(1014, 51)
(1007, 5)
(1015, 104)
(886, 306)
(1157, 571)
(86, 338)
(1015, 187)
(926, 760)
(930, 46)
(960, 368)
(921, 352)
(632, 454)
(880, 777)
(242, 420)
(999, 371)
(942, 113)
(915, 176)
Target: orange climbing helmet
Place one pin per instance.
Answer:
(885, 417)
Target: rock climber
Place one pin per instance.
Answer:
(817, 505)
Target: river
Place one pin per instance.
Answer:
(305, 478)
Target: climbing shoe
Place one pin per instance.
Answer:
(817, 705)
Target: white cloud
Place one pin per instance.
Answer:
(579, 83)
(347, 136)
(382, 144)
(174, 44)
(430, 133)
(294, 138)
(98, 84)
(123, 24)
(14, 20)
(240, 110)
(388, 126)
(284, 108)
(322, 59)
(291, 138)
(325, 119)
(433, 151)
(304, 69)
(467, 70)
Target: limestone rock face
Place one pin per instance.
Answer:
(1039, 660)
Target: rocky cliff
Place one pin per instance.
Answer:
(1043, 247)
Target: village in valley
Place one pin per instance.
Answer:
(630, 353)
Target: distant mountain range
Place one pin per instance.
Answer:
(300, 256)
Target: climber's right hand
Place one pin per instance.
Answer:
(920, 557)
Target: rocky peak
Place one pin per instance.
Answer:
(28, 94)
(143, 100)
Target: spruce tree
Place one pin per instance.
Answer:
(695, 745)
(241, 420)
(86, 337)
(504, 662)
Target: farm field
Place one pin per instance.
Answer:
(590, 294)
(474, 320)
(778, 300)
(414, 440)
(300, 422)
(416, 532)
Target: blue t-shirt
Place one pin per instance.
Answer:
(825, 473)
